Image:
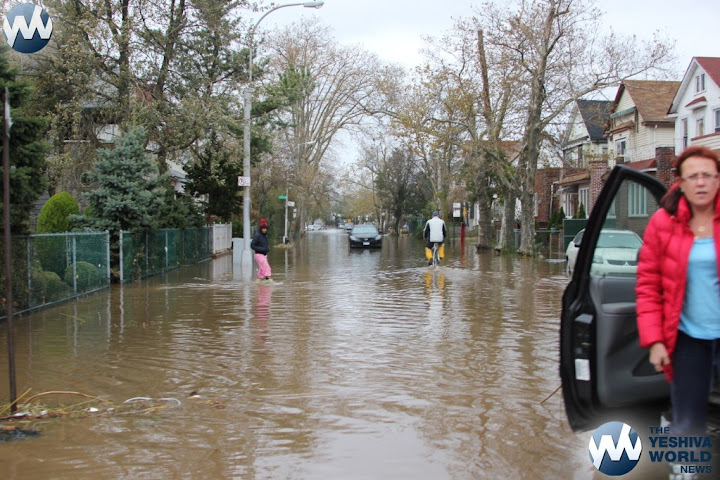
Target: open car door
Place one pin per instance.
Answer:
(605, 374)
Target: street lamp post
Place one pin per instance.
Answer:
(247, 96)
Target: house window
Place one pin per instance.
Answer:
(700, 127)
(700, 83)
(584, 199)
(717, 120)
(637, 200)
(581, 163)
(611, 212)
(568, 205)
(620, 146)
(684, 133)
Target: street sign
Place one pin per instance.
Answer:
(282, 197)
(243, 181)
(291, 204)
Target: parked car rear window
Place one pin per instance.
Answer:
(365, 230)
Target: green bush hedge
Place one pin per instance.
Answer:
(54, 216)
(55, 288)
(88, 276)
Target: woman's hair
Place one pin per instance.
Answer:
(670, 200)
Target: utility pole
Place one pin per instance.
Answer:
(8, 255)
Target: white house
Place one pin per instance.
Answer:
(696, 106)
(640, 123)
(583, 140)
(585, 137)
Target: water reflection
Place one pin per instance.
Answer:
(349, 364)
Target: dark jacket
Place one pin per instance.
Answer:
(260, 243)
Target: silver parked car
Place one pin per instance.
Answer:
(615, 253)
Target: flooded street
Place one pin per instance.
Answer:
(349, 364)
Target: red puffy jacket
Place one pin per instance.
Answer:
(662, 274)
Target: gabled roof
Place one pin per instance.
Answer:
(652, 98)
(711, 65)
(594, 114)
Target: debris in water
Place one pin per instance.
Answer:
(11, 432)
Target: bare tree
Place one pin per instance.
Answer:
(564, 56)
(338, 92)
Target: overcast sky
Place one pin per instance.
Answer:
(394, 28)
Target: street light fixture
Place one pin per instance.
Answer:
(247, 95)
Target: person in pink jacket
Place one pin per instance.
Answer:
(678, 295)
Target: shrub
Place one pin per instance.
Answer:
(51, 252)
(581, 212)
(88, 276)
(55, 288)
(37, 287)
(55, 214)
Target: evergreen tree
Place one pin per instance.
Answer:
(214, 178)
(27, 149)
(179, 211)
(581, 212)
(128, 193)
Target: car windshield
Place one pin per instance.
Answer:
(619, 240)
(365, 230)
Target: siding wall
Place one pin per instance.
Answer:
(712, 95)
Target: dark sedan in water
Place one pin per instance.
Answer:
(365, 236)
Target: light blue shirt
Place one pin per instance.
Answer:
(700, 317)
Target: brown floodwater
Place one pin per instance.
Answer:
(349, 364)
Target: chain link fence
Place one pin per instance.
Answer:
(53, 267)
(146, 254)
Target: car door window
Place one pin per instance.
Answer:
(623, 226)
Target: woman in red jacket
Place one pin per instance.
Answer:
(678, 297)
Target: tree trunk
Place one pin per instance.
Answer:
(485, 222)
(527, 193)
(507, 229)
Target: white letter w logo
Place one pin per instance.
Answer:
(28, 31)
(615, 451)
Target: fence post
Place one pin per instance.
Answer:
(167, 260)
(74, 258)
(122, 267)
(29, 238)
(107, 256)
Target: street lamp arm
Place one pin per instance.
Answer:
(251, 32)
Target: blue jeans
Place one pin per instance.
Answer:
(694, 361)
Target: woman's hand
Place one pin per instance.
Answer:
(659, 356)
